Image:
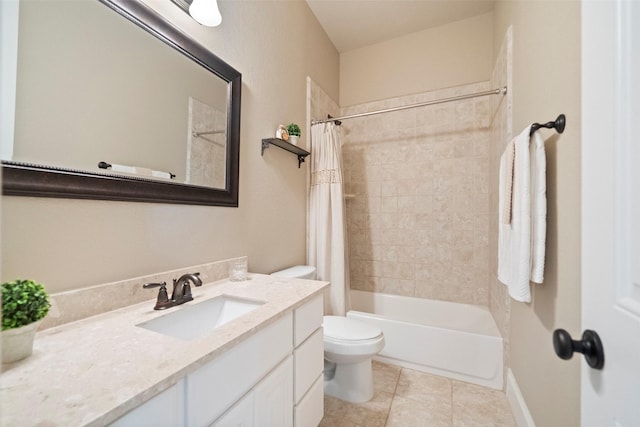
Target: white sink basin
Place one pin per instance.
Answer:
(191, 321)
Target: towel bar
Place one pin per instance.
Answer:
(558, 125)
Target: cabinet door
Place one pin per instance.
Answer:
(165, 409)
(216, 386)
(273, 397)
(310, 410)
(241, 415)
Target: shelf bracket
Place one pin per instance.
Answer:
(299, 152)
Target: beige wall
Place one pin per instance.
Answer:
(445, 56)
(546, 82)
(75, 243)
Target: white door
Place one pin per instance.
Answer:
(611, 209)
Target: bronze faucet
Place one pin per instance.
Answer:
(181, 288)
(181, 291)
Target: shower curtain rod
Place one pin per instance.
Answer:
(213, 132)
(498, 91)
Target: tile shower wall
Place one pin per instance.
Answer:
(319, 104)
(501, 133)
(418, 220)
(206, 154)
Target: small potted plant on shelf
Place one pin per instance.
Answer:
(24, 304)
(294, 133)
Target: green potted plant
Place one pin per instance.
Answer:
(24, 304)
(294, 133)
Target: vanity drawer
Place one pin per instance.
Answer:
(310, 410)
(308, 363)
(212, 389)
(307, 319)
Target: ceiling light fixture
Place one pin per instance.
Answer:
(204, 12)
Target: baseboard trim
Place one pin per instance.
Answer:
(518, 405)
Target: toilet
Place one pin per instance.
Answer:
(349, 346)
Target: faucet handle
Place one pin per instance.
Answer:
(154, 285)
(163, 299)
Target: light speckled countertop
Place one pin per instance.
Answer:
(93, 371)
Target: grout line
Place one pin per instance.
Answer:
(393, 396)
(452, 406)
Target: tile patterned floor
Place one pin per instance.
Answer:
(408, 398)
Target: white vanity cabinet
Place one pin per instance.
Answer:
(308, 358)
(268, 404)
(247, 369)
(292, 394)
(216, 386)
(271, 379)
(164, 410)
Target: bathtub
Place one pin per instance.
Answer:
(459, 341)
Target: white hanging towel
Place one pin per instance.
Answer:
(136, 170)
(538, 207)
(521, 241)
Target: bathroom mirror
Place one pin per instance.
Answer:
(119, 109)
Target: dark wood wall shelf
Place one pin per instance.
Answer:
(285, 146)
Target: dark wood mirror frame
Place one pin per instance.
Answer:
(21, 179)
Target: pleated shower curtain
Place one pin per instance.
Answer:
(327, 243)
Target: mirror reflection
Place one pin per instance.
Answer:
(93, 89)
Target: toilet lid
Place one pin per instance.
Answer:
(343, 328)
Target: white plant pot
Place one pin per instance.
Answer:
(17, 343)
(294, 139)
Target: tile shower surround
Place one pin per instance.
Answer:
(206, 155)
(501, 133)
(419, 223)
(319, 104)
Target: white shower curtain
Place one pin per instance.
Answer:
(327, 245)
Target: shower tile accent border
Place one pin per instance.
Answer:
(78, 304)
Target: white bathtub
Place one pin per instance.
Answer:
(459, 341)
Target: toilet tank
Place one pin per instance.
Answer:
(297, 272)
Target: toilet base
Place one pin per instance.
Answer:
(352, 382)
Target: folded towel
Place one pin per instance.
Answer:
(521, 258)
(161, 174)
(506, 182)
(538, 207)
(136, 170)
(122, 168)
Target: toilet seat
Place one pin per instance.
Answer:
(340, 328)
(344, 337)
